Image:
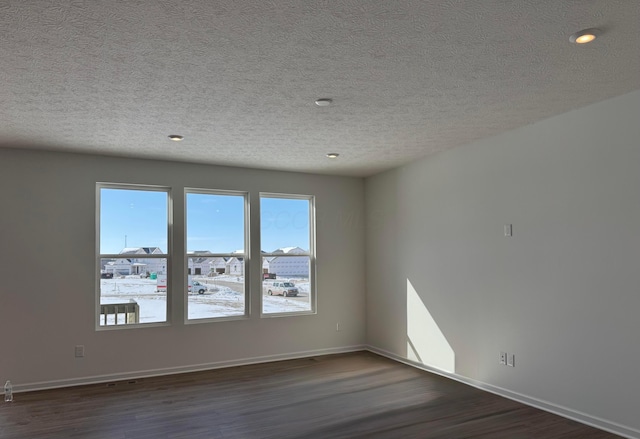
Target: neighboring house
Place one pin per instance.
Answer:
(134, 264)
(289, 265)
(199, 263)
(235, 266)
(217, 265)
(265, 264)
(118, 267)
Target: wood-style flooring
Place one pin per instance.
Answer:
(355, 395)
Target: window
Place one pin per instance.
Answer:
(216, 243)
(134, 260)
(288, 260)
(133, 256)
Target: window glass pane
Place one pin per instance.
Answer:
(133, 219)
(133, 290)
(215, 255)
(215, 223)
(134, 226)
(284, 223)
(289, 291)
(285, 236)
(218, 291)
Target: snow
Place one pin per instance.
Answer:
(224, 298)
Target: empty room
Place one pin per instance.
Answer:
(319, 219)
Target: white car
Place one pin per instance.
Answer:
(197, 287)
(285, 289)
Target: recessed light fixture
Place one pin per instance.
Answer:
(176, 137)
(584, 36)
(324, 102)
(333, 155)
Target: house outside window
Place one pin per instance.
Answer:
(287, 234)
(134, 258)
(133, 230)
(216, 239)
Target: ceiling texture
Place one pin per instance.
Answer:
(238, 78)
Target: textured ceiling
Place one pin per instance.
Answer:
(238, 78)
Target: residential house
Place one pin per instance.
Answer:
(235, 265)
(133, 264)
(289, 266)
(199, 263)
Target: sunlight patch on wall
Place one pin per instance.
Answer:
(426, 343)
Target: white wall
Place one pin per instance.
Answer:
(47, 221)
(563, 293)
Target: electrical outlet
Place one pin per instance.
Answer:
(79, 351)
(503, 358)
(337, 327)
(511, 360)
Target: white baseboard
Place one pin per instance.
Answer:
(565, 412)
(97, 379)
(583, 418)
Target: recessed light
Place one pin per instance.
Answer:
(176, 137)
(333, 155)
(324, 102)
(584, 36)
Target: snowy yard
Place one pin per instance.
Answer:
(224, 298)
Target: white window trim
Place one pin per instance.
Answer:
(311, 254)
(246, 255)
(249, 280)
(99, 256)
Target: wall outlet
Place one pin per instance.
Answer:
(508, 230)
(511, 360)
(79, 351)
(337, 327)
(503, 358)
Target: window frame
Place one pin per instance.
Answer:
(311, 254)
(246, 255)
(250, 278)
(99, 256)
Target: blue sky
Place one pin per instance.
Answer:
(214, 222)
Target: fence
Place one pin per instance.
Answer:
(129, 313)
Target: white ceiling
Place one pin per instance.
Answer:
(238, 78)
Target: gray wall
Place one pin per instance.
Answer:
(47, 278)
(563, 293)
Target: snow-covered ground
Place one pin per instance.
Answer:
(224, 298)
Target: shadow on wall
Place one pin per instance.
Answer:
(426, 343)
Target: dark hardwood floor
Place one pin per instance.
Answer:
(357, 395)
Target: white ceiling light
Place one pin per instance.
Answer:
(333, 155)
(324, 102)
(176, 137)
(584, 36)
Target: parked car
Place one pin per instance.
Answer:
(106, 275)
(197, 287)
(268, 275)
(285, 289)
(194, 286)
